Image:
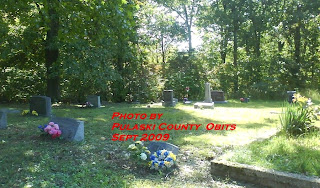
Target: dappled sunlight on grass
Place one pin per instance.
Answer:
(97, 162)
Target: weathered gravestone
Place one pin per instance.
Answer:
(94, 100)
(218, 97)
(290, 96)
(168, 99)
(207, 103)
(71, 129)
(3, 119)
(41, 104)
(155, 146)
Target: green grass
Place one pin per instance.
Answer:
(28, 159)
(296, 155)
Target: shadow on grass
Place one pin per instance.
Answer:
(41, 161)
(253, 125)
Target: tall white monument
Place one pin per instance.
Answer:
(207, 103)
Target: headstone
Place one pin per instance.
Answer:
(94, 100)
(207, 103)
(41, 104)
(168, 99)
(71, 129)
(3, 120)
(218, 97)
(155, 146)
(290, 96)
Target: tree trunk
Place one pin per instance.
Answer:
(52, 53)
(188, 22)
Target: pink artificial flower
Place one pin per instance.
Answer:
(54, 131)
(59, 132)
(51, 123)
(56, 126)
(47, 129)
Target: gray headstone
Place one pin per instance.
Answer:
(155, 146)
(168, 99)
(290, 96)
(217, 95)
(94, 100)
(207, 93)
(41, 104)
(3, 120)
(71, 129)
(168, 95)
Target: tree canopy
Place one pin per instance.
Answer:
(126, 50)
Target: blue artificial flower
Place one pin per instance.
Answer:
(161, 163)
(41, 128)
(166, 153)
(168, 159)
(152, 157)
(159, 152)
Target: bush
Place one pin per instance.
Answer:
(296, 120)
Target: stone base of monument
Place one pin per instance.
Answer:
(221, 102)
(71, 129)
(203, 105)
(187, 102)
(170, 103)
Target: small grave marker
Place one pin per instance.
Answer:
(155, 146)
(94, 100)
(41, 104)
(218, 97)
(3, 120)
(72, 129)
(168, 99)
(290, 96)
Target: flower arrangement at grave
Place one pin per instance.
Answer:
(159, 160)
(51, 129)
(138, 153)
(242, 99)
(26, 112)
(87, 105)
(162, 159)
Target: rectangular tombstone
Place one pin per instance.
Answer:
(155, 146)
(290, 96)
(168, 95)
(94, 100)
(71, 129)
(41, 104)
(3, 120)
(217, 95)
(168, 99)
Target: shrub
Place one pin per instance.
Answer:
(296, 120)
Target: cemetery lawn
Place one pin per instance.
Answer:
(28, 158)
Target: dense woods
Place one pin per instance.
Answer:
(127, 50)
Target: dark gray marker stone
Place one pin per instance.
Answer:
(155, 146)
(71, 129)
(41, 104)
(3, 120)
